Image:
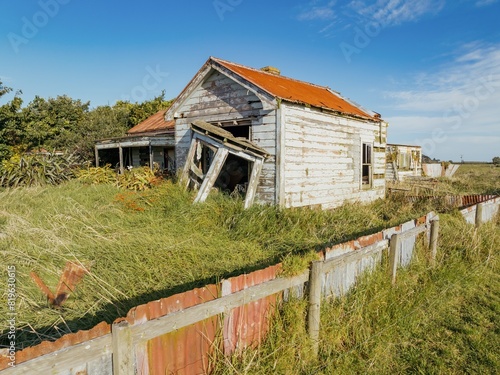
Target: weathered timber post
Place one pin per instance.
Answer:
(120, 153)
(96, 154)
(151, 156)
(434, 239)
(395, 244)
(314, 313)
(123, 362)
(479, 215)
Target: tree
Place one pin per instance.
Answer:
(496, 160)
(138, 112)
(4, 89)
(11, 132)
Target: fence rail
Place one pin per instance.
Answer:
(177, 334)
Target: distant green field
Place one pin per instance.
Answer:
(476, 179)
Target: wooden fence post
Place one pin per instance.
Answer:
(434, 239)
(123, 362)
(395, 244)
(314, 313)
(479, 215)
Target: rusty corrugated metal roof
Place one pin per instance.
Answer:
(296, 91)
(154, 123)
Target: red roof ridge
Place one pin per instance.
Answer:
(271, 74)
(341, 104)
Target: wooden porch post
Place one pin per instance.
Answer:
(212, 174)
(96, 152)
(254, 181)
(120, 152)
(187, 163)
(150, 156)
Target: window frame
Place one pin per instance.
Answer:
(366, 162)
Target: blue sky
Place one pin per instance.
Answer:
(430, 67)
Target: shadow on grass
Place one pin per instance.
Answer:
(119, 308)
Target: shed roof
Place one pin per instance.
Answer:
(296, 91)
(155, 123)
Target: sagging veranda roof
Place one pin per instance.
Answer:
(155, 123)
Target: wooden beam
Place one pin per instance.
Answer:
(479, 215)
(123, 350)
(191, 315)
(65, 359)
(394, 256)
(254, 181)
(434, 239)
(189, 160)
(280, 156)
(151, 156)
(233, 149)
(96, 152)
(212, 174)
(197, 171)
(314, 311)
(122, 168)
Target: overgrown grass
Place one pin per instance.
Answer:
(145, 245)
(434, 320)
(477, 179)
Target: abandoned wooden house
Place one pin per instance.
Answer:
(403, 161)
(274, 139)
(149, 143)
(320, 148)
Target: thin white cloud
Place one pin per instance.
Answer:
(482, 3)
(396, 12)
(338, 17)
(315, 11)
(453, 108)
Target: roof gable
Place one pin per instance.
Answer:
(296, 91)
(268, 87)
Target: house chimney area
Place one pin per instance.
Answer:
(271, 70)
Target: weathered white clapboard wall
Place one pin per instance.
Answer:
(322, 157)
(219, 98)
(315, 157)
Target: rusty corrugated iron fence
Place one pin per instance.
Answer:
(183, 333)
(458, 201)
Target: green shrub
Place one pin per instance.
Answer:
(37, 169)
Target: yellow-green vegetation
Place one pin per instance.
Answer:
(476, 179)
(442, 320)
(470, 179)
(138, 179)
(37, 169)
(143, 245)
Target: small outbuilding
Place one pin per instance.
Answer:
(403, 161)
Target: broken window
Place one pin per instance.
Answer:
(216, 158)
(366, 173)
